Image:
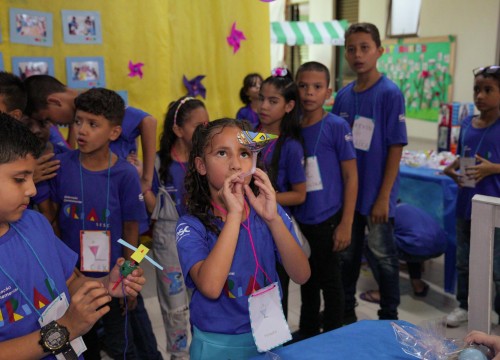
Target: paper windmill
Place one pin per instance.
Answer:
(194, 86)
(235, 38)
(255, 142)
(135, 69)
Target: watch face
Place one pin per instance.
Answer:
(55, 339)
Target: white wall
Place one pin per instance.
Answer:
(321, 10)
(475, 24)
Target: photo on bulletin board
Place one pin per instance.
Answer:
(81, 27)
(24, 67)
(85, 72)
(30, 27)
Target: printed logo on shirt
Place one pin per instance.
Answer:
(74, 211)
(348, 137)
(233, 290)
(141, 197)
(14, 310)
(402, 118)
(344, 114)
(182, 230)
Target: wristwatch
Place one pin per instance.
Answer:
(55, 339)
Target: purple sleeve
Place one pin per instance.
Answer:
(396, 121)
(131, 199)
(294, 158)
(344, 144)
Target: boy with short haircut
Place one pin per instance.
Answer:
(49, 99)
(98, 199)
(374, 107)
(12, 95)
(37, 269)
(326, 216)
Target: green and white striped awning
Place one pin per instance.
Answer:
(307, 33)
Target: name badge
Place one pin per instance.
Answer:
(54, 311)
(95, 250)
(362, 132)
(313, 175)
(465, 163)
(269, 327)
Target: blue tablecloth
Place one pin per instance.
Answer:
(436, 193)
(366, 339)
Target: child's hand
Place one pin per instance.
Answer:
(491, 341)
(132, 158)
(265, 203)
(45, 168)
(451, 171)
(380, 211)
(231, 194)
(342, 236)
(483, 169)
(133, 282)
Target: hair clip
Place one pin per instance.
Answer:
(183, 101)
(279, 72)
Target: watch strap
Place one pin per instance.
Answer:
(69, 353)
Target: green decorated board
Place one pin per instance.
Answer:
(423, 69)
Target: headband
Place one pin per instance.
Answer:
(183, 101)
(279, 71)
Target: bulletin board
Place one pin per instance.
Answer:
(423, 69)
(171, 38)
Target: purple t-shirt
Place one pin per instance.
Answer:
(228, 314)
(18, 317)
(485, 143)
(56, 138)
(385, 105)
(126, 143)
(175, 187)
(330, 141)
(126, 203)
(246, 113)
(290, 165)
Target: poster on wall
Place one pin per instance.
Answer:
(85, 72)
(24, 67)
(30, 27)
(81, 27)
(423, 69)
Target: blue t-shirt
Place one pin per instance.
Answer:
(383, 103)
(17, 316)
(330, 141)
(485, 143)
(56, 137)
(126, 203)
(126, 143)
(246, 113)
(175, 187)
(290, 165)
(229, 313)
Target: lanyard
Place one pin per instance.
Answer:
(247, 228)
(480, 140)
(319, 134)
(176, 158)
(49, 279)
(356, 102)
(107, 192)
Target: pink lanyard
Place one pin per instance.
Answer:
(247, 228)
(176, 158)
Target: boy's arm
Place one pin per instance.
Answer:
(380, 210)
(296, 196)
(342, 234)
(147, 128)
(451, 171)
(130, 235)
(483, 169)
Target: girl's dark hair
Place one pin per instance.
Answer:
(365, 28)
(168, 137)
(290, 124)
(199, 201)
(248, 82)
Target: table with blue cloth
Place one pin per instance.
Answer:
(435, 193)
(365, 339)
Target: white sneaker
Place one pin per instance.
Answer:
(457, 317)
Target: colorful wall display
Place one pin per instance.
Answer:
(25, 67)
(423, 69)
(30, 27)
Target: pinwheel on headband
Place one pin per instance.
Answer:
(279, 71)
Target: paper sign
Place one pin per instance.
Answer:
(362, 133)
(139, 254)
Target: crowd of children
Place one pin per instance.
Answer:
(228, 236)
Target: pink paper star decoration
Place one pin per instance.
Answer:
(235, 38)
(194, 86)
(135, 69)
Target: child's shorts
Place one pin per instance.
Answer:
(208, 346)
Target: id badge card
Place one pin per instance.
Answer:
(465, 163)
(269, 326)
(95, 250)
(54, 311)
(313, 175)
(362, 132)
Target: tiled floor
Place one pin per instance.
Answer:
(435, 306)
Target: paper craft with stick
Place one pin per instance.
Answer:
(255, 142)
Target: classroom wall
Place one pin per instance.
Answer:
(171, 37)
(475, 24)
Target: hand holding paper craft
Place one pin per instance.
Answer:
(255, 142)
(138, 255)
